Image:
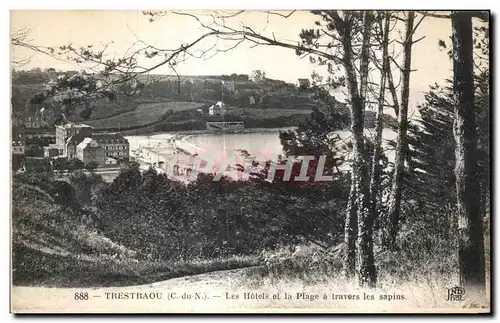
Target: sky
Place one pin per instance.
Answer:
(54, 28)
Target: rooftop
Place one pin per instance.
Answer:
(109, 138)
(76, 139)
(86, 142)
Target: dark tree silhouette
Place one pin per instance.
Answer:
(470, 224)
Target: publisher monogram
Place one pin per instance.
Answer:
(456, 294)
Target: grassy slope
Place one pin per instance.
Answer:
(51, 248)
(144, 114)
(423, 279)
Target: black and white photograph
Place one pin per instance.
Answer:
(250, 161)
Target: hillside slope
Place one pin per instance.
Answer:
(57, 243)
(49, 241)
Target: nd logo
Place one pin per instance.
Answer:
(456, 294)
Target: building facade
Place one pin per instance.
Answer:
(89, 151)
(34, 122)
(72, 142)
(218, 109)
(110, 161)
(78, 141)
(65, 132)
(51, 151)
(304, 83)
(40, 119)
(114, 145)
(18, 148)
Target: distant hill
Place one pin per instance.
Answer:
(154, 96)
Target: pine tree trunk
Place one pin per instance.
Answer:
(392, 88)
(377, 150)
(351, 221)
(401, 146)
(470, 226)
(359, 200)
(351, 232)
(366, 263)
(360, 180)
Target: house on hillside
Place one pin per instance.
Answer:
(40, 119)
(218, 109)
(32, 121)
(228, 86)
(89, 151)
(304, 84)
(18, 148)
(257, 76)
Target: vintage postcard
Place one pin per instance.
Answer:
(323, 161)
